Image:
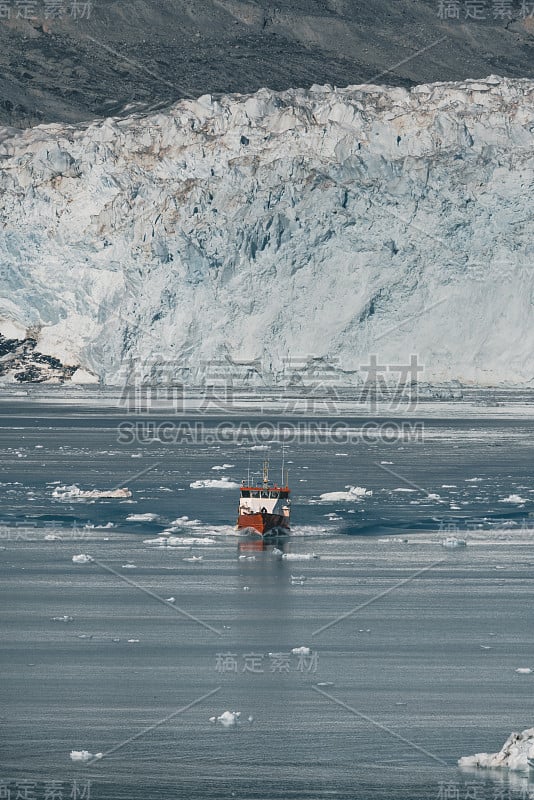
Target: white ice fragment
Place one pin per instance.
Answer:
(133, 641)
(149, 517)
(513, 498)
(524, 670)
(75, 493)
(84, 755)
(514, 754)
(129, 566)
(216, 483)
(353, 494)
(298, 556)
(170, 600)
(246, 588)
(229, 719)
(194, 559)
(301, 651)
(52, 537)
(82, 559)
(452, 542)
(64, 618)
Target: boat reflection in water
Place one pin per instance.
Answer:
(251, 542)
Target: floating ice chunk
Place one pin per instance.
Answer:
(217, 483)
(354, 493)
(223, 466)
(246, 588)
(260, 447)
(473, 480)
(64, 618)
(228, 719)
(386, 462)
(170, 600)
(298, 556)
(52, 537)
(194, 559)
(524, 671)
(133, 641)
(84, 755)
(432, 496)
(513, 498)
(452, 541)
(82, 559)
(298, 577)
(301, 651)
(176, 541)
(514, 754)
(149, 517)
(75, 493)
(403, 489)
(129, 566)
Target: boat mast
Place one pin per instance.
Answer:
(283, 459)
(266, 472)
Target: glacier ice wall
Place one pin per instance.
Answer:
(328, 223)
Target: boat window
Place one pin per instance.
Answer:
(283, 495)
(274, 495)
(245, 493)
(265, 493)
(254, 494)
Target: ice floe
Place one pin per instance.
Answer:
(524, 670)
(354, 493)
(73, 492)
(83, 558)
(298, 556)
(452, 542)
(228, 719)
(514, 754)
(149, 517)
(301, 651)
(217, 483)
(513, 498)
(84, 755)
(223, 466)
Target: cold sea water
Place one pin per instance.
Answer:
(412, 647)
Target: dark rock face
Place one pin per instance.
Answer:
(148, 53)
(20, 359)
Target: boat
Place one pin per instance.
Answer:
(264, 509)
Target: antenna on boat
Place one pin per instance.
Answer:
(248, 471)
(266, 472)
(283, 459)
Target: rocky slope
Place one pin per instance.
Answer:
(107, 55)
(238, 233)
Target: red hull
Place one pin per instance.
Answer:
(263, 523)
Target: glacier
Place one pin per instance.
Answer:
(316, 226)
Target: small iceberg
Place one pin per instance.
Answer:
(228, 719)
(451, 542)
(513, 498)
(301, 651)
(82, 559)
(514, 754)
(298, 556)
(354, 494)
(84, 755)
(75, 493)
(215, 483)
(142, 517)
